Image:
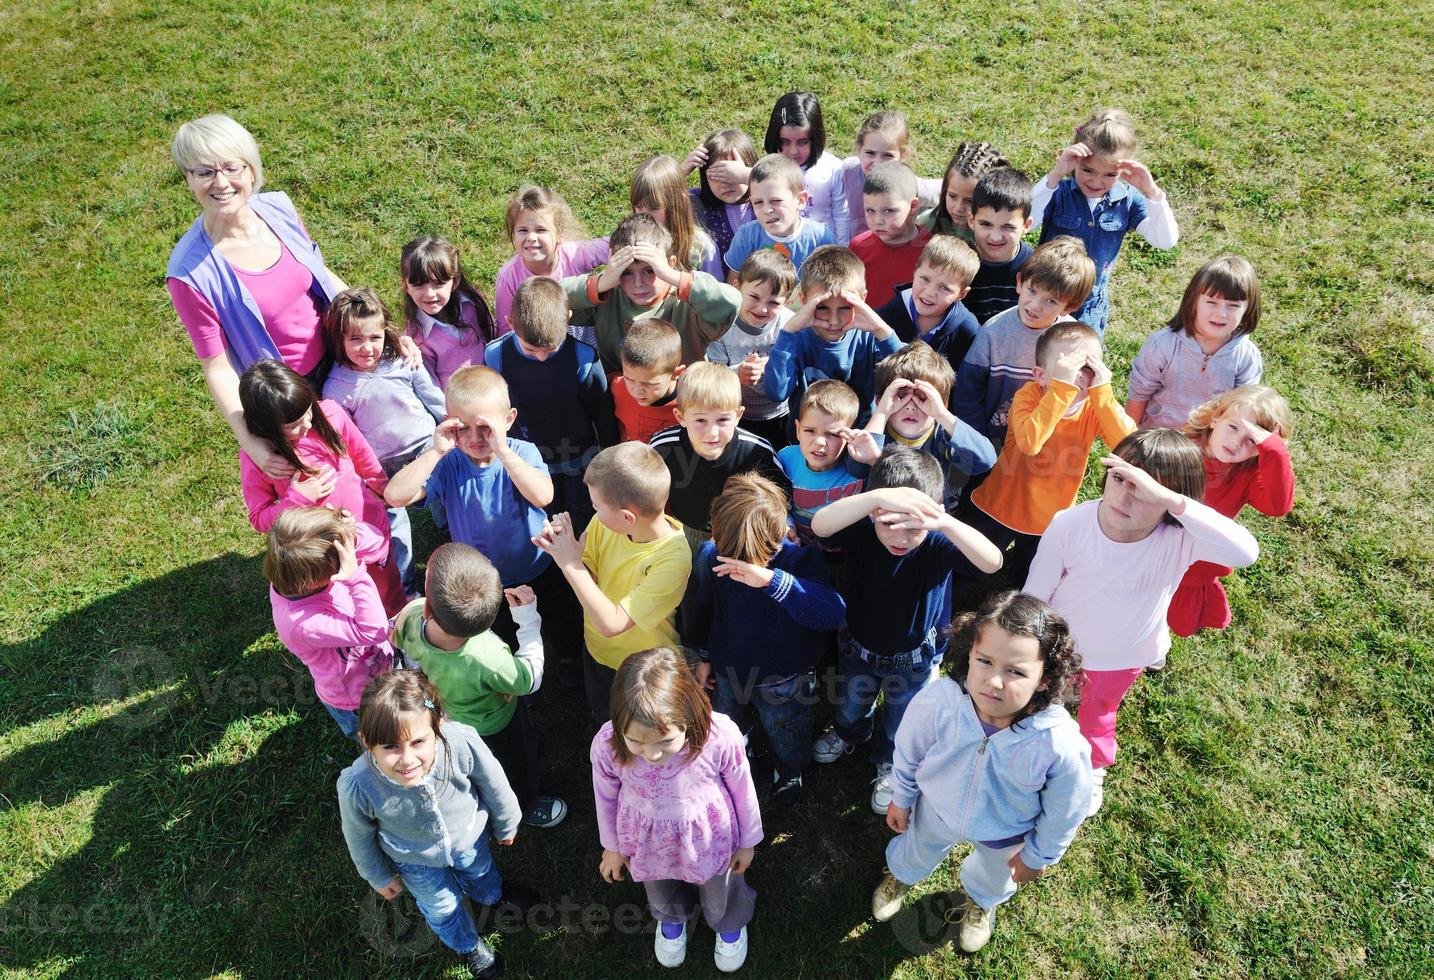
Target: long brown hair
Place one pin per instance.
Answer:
(434, 259)
(274, 395)
(351, 309)
(655, 689)
(658, 183)
(388, 700)
(1168, 456)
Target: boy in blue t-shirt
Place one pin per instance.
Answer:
(834, 335)
(489, 490)
(898, 573)
(819, 465)
(778, 193)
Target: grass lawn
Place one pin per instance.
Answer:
(166, 776)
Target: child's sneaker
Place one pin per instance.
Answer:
(881, 789)
(830, 747)
(1097, 792)
(729, 957)
(786, 792)
(548, 811)
(976, 925)
(483, 963)
(670, 952)
(886, 900)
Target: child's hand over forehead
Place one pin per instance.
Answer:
(895, 396)
(749, 574)
(863, 316)
(445, 435)
(1252, 429)
(1137, 175)
(903, 502)
(652, 255)
(860, 444)
(1068, 365)
(1069, 157)
(803, 317)
(1145, 487)
(1099, 373)
(729, 172)
(617, 263)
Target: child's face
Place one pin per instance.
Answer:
(640, 284)
(485, 421)
(615, 519)
(653, 211)
(777, 206)
(653, 745)
(958, 199)
(795, 143)
(300, 427)
(709, 429)
(1228, 441)
(1037, 308)
(430, 297)
(535, 239)
(877, 147)
(363, 345)
(934, 291)
(408, 760)
(898, 541)
(1095, 176)
(833, 317)
(727, 193)
(998, 233)
(912, 418)
(1086, 347)
(1217, 318)
(1122, 515)
(760, 303)
(890, 217)
(532, 350)
(818, 440)
(1003, 674)
(647, 386)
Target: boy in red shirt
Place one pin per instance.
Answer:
(892, 246)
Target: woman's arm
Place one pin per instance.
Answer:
(223, 385)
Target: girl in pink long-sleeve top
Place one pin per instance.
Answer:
(333, 465)
(327, 611)
(448, 317)
(1241, 435)
(1110, 567)
(676, 805)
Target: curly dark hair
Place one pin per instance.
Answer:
(1020, 614)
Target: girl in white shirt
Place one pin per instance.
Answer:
(797, 132)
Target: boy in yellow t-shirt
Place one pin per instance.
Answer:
(630, 568)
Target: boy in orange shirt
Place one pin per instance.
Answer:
(1055, 419)
(644, 392)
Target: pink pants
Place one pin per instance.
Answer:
(1101, 692)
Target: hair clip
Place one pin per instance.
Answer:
(428, 703)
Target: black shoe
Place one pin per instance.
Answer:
(522, 897)
(483, 962)
(786, 792)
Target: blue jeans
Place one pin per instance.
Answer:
(348, 720)
(784, 710)
(400, 530)
(439, 893)
(898, 678)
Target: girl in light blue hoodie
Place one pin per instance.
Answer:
(989, 755)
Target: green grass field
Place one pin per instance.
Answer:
(166, 776)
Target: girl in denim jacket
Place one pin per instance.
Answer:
(1097, 192)
(990, 755)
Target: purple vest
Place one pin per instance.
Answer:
(197, 263)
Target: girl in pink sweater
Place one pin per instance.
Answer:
(333, 465)
(676, 805)
(448, 317)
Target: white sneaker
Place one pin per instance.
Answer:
(830, 747)
(671, 952)
(886, 900)
(881, 789)
(729, 957)
(976, 926)
(1097, 792)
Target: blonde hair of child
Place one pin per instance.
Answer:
(540, 313)
(659, 183)
(774, 166)
(652, 345)
(464, 590)
(749, 519)
(1229, 277)
(531, 198)
(1108, 133)
(890, 124)
(1061, 268)
(656, 689)
(350, 311)
(709, 385)
(770, 268)
(1266, 406)
(475, 382)
(301, 557)
(630, 476)
(834, 398)
(640, 229)
(917, 361)
(833, 268)
(947, 253)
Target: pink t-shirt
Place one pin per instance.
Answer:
(574, 259)
(341, 635)
(289, 309)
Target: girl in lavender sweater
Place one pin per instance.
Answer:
(676, 805)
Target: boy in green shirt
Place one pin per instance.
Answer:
(448, 635)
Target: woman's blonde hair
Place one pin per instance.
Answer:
(1267, 407)
(216, 139)
(749, 519)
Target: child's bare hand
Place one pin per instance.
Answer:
(803, 316)
(391, 890)
(705, 680)
(1137, 175)
(611, 866)
(1254, 431)
(348, 560)
(410, 352)
(749, 372)
(898, 818)
(508, 841)
(742, 859)
(559, 540)
(695, 160)
(315, 486)
(930, 400)
(1020, 873)
(1099, 373)
(445, 435)
(907, 501)
(268, 459)
(863, 316)
(652, 255)
(731, 172)
(860, 444)
(1069, 157)
(745, 572)
(617, 263)
(1145, 487)
(1068, 365)
(520, 595)
(895, 396)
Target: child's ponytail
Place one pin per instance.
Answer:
(1108, 133)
